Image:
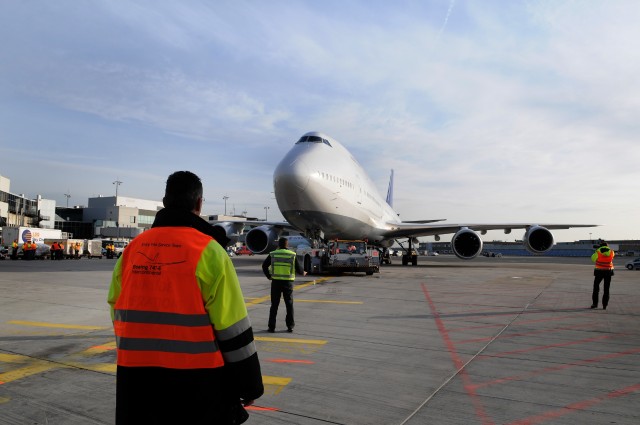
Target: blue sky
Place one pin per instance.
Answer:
(488, 111)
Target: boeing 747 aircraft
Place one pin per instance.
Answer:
(324, 193)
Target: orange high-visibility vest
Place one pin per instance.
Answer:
(604, 262)
(159, 317)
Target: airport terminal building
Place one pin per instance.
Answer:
(109, 217)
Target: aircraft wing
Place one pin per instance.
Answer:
(409, 229)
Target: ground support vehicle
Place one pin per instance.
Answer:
(340, 256)
(29, 234)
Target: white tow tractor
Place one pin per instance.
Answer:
(340, 256)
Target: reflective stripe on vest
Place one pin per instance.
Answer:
(159, 317)
(282, 264)
(604, 262)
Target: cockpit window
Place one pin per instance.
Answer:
(313, 139)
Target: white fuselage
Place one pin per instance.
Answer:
(320, 187)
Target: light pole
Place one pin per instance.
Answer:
(266, 211)
(225, 197)
(68, 195)
(117, 183)
(590, 237)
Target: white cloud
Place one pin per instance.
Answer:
(497, 109)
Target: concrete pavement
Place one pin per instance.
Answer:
(488, 341)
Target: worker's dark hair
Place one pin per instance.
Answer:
(283, 243)
(603, 243)
(183, 191)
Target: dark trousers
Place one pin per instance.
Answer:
(161, 396)
(282, 288)
(599, 276)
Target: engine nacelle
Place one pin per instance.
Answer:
(538, 240)
(263, 239)
(466, 244)
(231, 229)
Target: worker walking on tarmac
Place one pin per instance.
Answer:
(76, 249)
(280, 268)
(603, 257)
(185, 348)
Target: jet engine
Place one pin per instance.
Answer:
(538, 239)
(263, 239)
(232, 229)
(466, 244)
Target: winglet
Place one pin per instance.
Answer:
(390, 191)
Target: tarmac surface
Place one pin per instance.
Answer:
(491, 341)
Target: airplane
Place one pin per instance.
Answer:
(324, 193)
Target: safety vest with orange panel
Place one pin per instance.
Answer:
(175, 299)
(603, 257)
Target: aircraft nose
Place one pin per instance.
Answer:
(291, 176)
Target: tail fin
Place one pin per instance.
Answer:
(390, 191)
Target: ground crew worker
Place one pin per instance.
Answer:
(54, 250)
(280, 268)
(34, 248)
(110, 249)
(76, 248)
(14, 250)
(185, 349)
(26, 251)
(603, 257)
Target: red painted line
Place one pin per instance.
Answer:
(262, 408)
(289, 361)
(580, 405)
(541, 331)
(546, 347)
(457, 362)
(525, 376)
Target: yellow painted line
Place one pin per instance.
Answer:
(12, 358)
(289, 346)
(97, 349)
(260, 300)
(4, 400)
(298, 300)
(55, 325)
(327, 301)
(34, 367)
(291, 340)
(96, 367)
(274, 384)
(313, 282)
